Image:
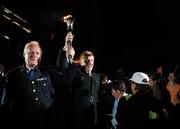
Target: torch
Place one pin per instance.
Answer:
(69, 20)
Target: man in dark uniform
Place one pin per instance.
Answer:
(29, 97)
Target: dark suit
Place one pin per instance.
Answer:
(30, 102)
(84, 92)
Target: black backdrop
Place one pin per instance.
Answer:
(135, 35)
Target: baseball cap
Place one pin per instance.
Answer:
(140, 78)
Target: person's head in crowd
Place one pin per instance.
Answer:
(118, 88)
(139, 82)
(171, 76)
(153, 79)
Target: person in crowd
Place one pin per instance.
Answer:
(84, 84)
(157, 93)
(30, 91)
(171, 79)
(105, 100)
(120, 98)
(173, 87)
(154, 86)
(135, 113)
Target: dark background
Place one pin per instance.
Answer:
(134, 35)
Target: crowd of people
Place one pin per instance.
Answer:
(73, 95)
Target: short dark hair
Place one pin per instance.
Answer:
(118, 85)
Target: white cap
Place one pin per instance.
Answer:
(140, 78)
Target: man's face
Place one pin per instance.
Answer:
(32, 55)
(89, 63)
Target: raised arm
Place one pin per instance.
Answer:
(70, 52)
(66, 54)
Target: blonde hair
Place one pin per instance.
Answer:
(84, 56)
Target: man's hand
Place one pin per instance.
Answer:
(68, 41)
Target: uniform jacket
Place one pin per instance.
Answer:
(26, 100)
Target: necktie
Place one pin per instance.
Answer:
(31, 74)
